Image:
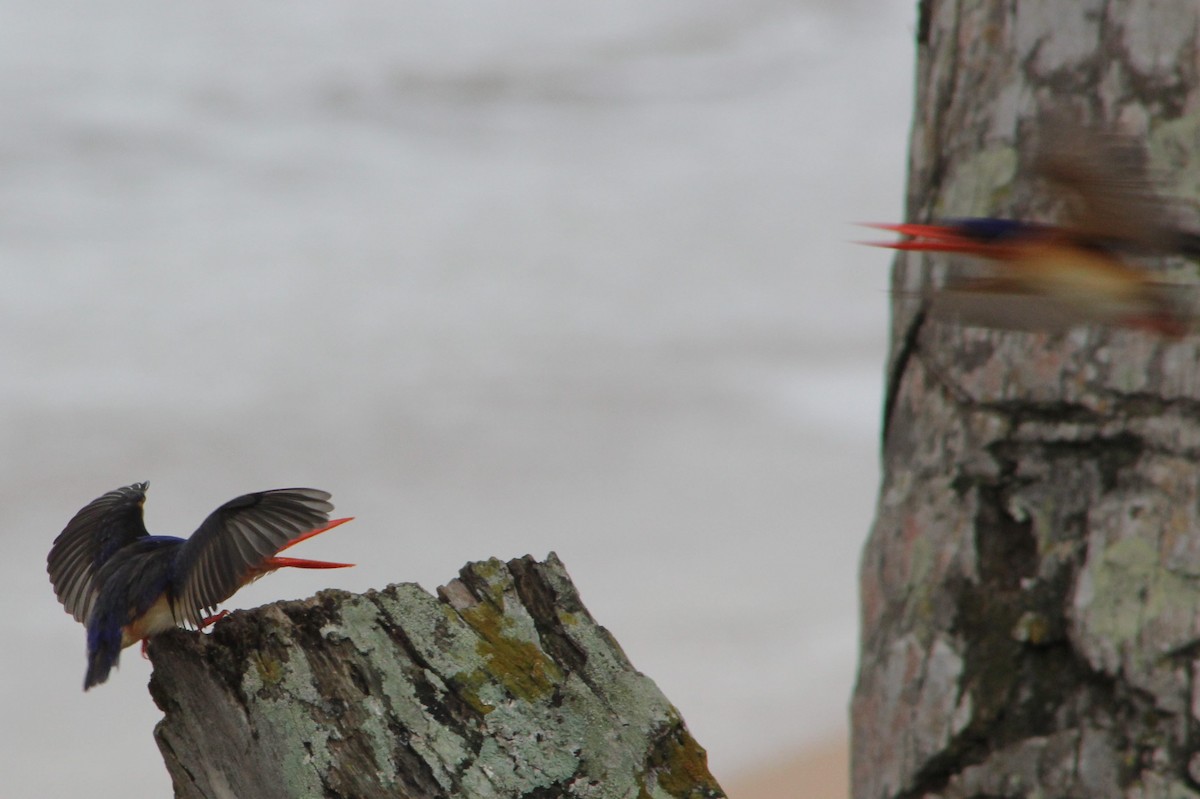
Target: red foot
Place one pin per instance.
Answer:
(145, 643)
(210, 620)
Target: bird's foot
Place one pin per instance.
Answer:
(210, 620)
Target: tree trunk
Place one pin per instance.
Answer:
(1031, 586)
(502, 686)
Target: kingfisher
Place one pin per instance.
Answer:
(1085, 269)
(1070, 278)
(126, 585)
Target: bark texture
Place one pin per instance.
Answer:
(501, 686)
(1031, 586)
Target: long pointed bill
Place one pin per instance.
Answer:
(273, 563)
(913, 229)
(270, 564)
(962, 245)
(930, 238)
(316, 532)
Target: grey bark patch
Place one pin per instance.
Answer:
(506, 687)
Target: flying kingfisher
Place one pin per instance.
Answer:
(1083, 270)
(126, 585)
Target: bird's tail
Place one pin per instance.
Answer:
(104, 650)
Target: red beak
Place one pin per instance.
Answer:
(933, 238)
(273, 563)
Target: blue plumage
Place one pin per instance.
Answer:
(990, 230)
(125, 585)
(131, 581)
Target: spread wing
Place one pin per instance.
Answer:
(236, 538)
(95, 533)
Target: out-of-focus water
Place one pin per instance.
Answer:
(505, 278)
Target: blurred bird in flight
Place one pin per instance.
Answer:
(126, 585)
(1083, 270)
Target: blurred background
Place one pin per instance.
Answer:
(505, 277)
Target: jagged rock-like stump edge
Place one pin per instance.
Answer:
(502, 685)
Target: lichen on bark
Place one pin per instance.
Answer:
(1031, 585)
(501, 686)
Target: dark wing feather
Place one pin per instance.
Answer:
(1110, 191)
(238, 537)
(95, 533)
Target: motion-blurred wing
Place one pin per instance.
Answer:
(1110, 193)
(95, 533)
(1001, 310)
(236, 538)
(1004, 305)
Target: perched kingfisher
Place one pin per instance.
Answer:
(1081, 271)
(126, 585)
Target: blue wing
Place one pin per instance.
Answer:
(238, 537)
(128, 584)
(94, 535)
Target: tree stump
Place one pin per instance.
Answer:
(501, 686)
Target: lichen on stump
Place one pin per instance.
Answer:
(501, 686)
